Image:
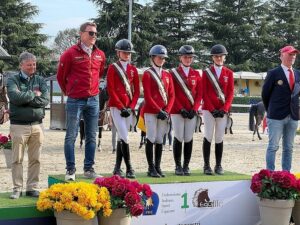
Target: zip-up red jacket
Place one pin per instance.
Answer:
(194, 84)
(210, 97)
(153, 100)
(118, 96)
(78, 74)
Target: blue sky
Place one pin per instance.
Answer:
(57, 15)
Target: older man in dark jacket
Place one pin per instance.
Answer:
(280, 95)
(28, 95)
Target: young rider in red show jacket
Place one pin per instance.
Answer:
(218, 93)
(159, 98)
(123, 89)
(188, 91)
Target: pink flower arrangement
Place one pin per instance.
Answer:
(275, 185)
(126, 194)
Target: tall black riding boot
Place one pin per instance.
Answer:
(119, 156)
(177, 151)
(187, 153)
(126, 155)
(206, 155)
(149, 155)
(219, 152)
(158, 154)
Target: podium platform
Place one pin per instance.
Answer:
(195, 199)
(22, 212)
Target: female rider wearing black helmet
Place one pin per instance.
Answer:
(123, 88)
(188, 90)
(159, 98)
(218, 92)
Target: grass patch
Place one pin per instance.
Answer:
(197, 176)
(6, 202)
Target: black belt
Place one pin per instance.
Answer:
(25, 122)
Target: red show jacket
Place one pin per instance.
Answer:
(194, 84)
(210, 97)
(78, 74)
(153, 99)
(118, 97)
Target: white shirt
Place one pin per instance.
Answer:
(158, 70)
(218, 70)
(124, 64)
(186, 70)
(87, 49)
(287, 72)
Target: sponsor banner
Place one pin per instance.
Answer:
(201, 203)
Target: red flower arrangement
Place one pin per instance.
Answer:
(126, 194)
(275, 185)
(5, 141)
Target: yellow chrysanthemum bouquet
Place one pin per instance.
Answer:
(81, 198)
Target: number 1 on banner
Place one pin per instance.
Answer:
(185, 205)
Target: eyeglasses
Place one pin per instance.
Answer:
(91, 33)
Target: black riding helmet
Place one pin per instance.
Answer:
(124, 45)
(158, 50)
(186, 50)
(218, 50)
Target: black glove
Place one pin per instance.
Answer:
(162, 115)
(215, 113)
(125, 112)
(184, 113)
(191, 115)
(221, 113)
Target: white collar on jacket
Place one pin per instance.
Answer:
(186, 69)
(218, 70)
(124, 64)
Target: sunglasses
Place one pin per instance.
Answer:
(91, 33)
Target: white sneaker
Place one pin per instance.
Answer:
(70, 175)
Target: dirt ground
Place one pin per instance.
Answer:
(241, 154)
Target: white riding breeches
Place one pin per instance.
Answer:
(122, 124)
(155, 128)
(184, 128)
(212, 124)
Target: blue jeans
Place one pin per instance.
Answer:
(88, 109)
(286, 129)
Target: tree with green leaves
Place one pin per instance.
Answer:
(285, 26)
(19, 34)
(238, 25)
(64, 40)
(112, 24)
(174, 24)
